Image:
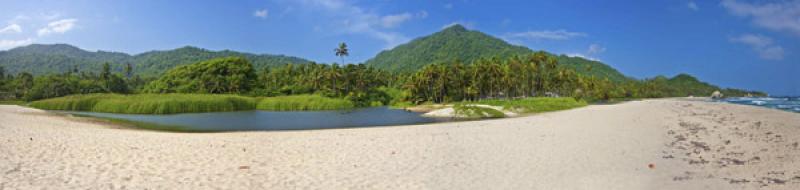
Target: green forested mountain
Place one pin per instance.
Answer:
(591, 68)
(687, 85)
(57, 58)
(456, 43)
(157, 62)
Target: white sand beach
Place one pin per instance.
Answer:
(689, 144)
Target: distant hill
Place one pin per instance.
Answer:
(690, 85)
(592, 68)
(57, 58)
(458, 43)
(157, 62)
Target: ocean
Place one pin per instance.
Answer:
(791, 104)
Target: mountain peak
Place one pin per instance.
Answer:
(455, 28)
(452, 43)
(48, 47)
(188, 47)
(684, 76)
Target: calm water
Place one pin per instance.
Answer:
(268, 120)
(791, 104)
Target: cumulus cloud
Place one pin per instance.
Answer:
(595, 49)
(762, 45)
(263, 13)
(546, 35)
(693, 6)
(777, 16)
(8, 44)
(10, 29)
(59, 26)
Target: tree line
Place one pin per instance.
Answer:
(538, 74)
(24, 86)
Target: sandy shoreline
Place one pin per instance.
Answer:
(692, 145)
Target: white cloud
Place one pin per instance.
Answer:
(355, 20)
(8, 44)
(546, 35)
(595, 49)
(10, 29)
(263, 13)
(693, 6)
(777, 16)
(390, 21)
(59, 26)
(762, 45)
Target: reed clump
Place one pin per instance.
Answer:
(303, 103)
(148, 103)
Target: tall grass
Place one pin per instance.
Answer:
(303, 103)
(535, 105)
(148, 103)
(12, 102)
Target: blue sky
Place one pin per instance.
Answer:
(731, 43)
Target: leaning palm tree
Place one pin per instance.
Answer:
(342, 51)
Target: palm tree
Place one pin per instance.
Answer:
(342, 51)
(333, 74)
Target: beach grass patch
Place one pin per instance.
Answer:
(535, 105)
(148, 103)
(12, 102)
(303, 103)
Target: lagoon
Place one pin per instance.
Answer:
(273, 120)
